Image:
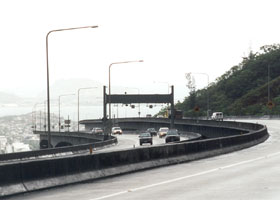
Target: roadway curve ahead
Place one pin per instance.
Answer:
(128, 141)
(248, 174)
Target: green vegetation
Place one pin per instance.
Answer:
(243, 90)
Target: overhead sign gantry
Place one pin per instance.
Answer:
(138, 98)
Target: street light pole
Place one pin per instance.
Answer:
(59, 124)
(35, 112)
(48, 82)
(207, 92)
(79, 104)
(46, 111)
(268, 87)
(168, 85)
(124, 62)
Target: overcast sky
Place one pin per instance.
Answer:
(171, 36)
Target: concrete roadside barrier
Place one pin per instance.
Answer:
(31, 175)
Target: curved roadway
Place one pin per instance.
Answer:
(128, 141)
(248, 174)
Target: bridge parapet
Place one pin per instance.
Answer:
(44, 173)
(207, 128)
(54, 152)
(60, 139)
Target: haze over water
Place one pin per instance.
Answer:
(86, 112)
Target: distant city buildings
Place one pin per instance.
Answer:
(16, 134)
(20, 147)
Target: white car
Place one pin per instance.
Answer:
(162, 131)
(97, 130)
(116, 130)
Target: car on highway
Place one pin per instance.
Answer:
(117, 130)
(97, 130)
(145, 138)
(172, 136)
(162, 131)
(217, 116)
(152, 131)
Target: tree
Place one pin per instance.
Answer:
(242, 90)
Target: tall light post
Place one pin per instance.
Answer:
(35, 112)
(45, 102)
(79, 103)
(168, 85)
(207, 91)
(59, 124)
(268, 87)
(48, 82)
(116, 63)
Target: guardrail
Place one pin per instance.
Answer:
(33, 175)
(166, 121)
(80, 134)
(53, 151)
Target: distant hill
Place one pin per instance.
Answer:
(87, 96)
(60, 87)
(6, 98)
(245, 89)
(71, 86)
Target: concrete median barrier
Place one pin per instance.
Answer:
(33, 175)
(11, 179)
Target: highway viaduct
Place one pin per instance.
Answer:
(137, 125)
(223, 137)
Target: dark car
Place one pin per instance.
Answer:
(152, 131)
(172, 136)
(145, 138)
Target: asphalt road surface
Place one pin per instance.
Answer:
(249, 174)
(128, 141)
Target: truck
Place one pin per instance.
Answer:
(217, 116)
(178, 114)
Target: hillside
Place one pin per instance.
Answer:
(6, 98)
(243, 90)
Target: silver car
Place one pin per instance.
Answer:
(97, 130)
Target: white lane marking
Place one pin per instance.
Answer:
(111, 195)
(186, 177)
